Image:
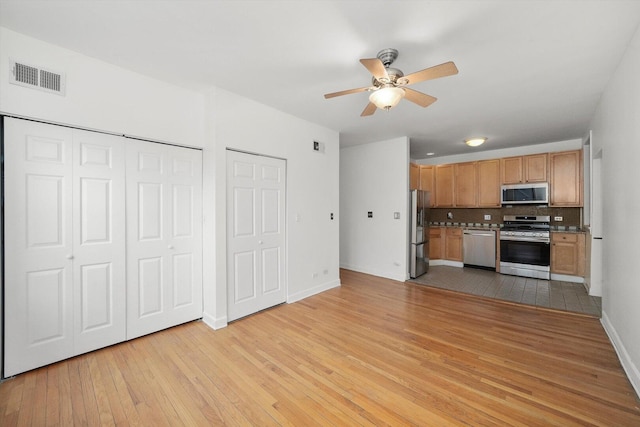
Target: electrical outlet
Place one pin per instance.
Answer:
(369, 214)
(557, 218)
(487, 217)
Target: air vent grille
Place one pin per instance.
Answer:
(26, 74)
(37, 78)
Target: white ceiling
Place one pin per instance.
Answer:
(530, 71)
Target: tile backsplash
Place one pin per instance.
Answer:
(571, 217)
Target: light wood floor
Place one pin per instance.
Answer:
(372, 352)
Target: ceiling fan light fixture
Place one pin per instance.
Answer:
(387, 97)
(474, 142)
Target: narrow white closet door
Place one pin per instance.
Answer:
(164, 236)
(99, 278)
(256, 190)
(38, 245)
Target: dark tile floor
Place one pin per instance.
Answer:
(553, 294)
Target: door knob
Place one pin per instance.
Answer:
(170, 246)
(260, 242)
(70, 256)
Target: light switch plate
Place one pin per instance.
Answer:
(396, 215)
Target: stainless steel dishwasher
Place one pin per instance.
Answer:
(479, 249)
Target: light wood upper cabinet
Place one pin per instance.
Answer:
(444, 186)
(488, 183)
(414, 176)
(565, 184)
(568, 253)
(522, 169)
(428, 183)
(465, 185)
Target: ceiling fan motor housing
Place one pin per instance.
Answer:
(393, 73)
(387, 56)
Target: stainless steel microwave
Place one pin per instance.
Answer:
(520, 194)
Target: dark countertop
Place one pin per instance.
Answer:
(484, 226)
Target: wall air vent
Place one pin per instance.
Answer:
(37, 78)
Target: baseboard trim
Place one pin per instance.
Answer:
(214, 323)
(313, 291)
(629, 367)
(567, 278)
(446, 262)
(378, 273)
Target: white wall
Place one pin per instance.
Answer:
(616, 131)
(375, 177)
(99, 96)
(312, 194)
(104, 97)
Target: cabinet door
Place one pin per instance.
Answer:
(436, 242)
(444, 185)
(532, 168)
(414, 176)
(512, 170)
(427, 182)
(164, 229)
(535, 168)
(465, 185)
(489, 183)
(566, 178)
(453, 244)
(568, 253)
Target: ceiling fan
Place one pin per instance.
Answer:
(389, 85)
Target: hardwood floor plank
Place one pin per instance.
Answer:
(371, 352)
(53, 405)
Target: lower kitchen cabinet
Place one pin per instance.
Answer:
(453, 244)
(436, 242)
(445, 243)
(568, 253)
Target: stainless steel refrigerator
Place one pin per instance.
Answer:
(419, 235)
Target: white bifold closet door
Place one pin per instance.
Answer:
(64, 243)
(164, 236)
(256, 240)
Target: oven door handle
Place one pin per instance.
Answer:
(525, 239)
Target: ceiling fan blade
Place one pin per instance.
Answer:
(377, 68)
(422, 99)
(346, 92)
(369, 109)
(435, 72)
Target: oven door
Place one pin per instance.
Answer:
(525, 251)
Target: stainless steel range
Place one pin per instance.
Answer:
(525, 246)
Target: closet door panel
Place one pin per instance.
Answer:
(185, 205)
(99, 240)
(38, 245)
(164, 196)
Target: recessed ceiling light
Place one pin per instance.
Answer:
(431, 154)
(474, 142)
